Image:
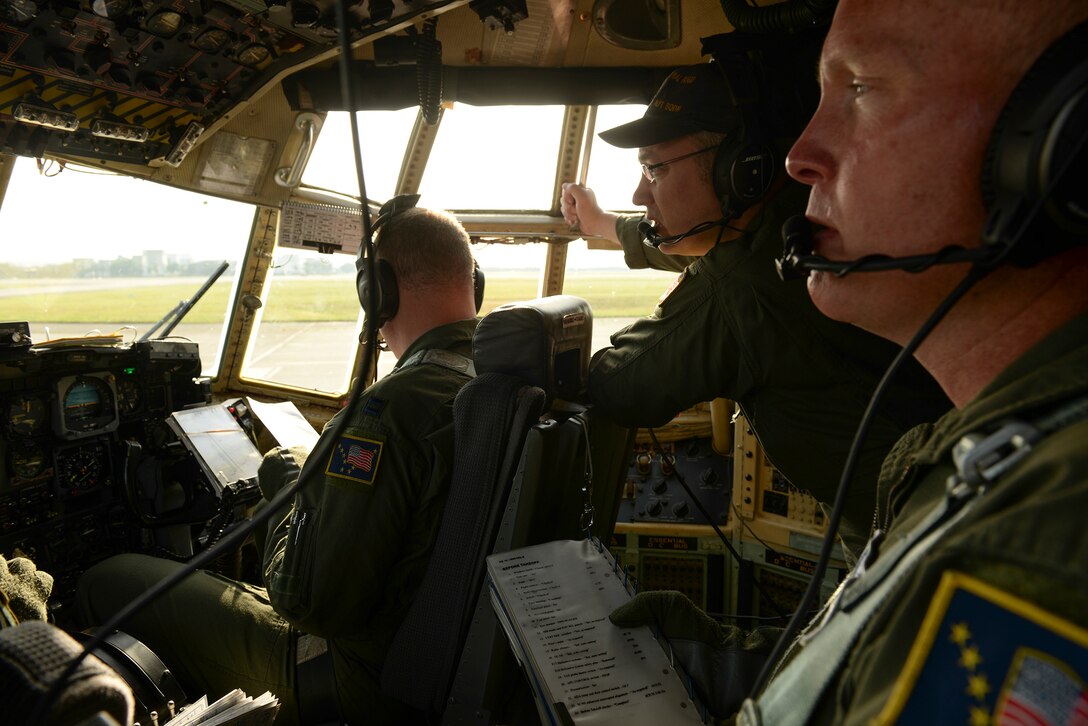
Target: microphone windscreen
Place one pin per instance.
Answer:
(796, 241)
(34, 654)
(649, 236)
(796, 236)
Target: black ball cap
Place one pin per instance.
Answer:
(692, 99)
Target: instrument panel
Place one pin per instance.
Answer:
(85, 452)
(139, 81)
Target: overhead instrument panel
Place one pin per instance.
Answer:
(139, 81)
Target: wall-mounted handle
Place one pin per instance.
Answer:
(309, 124)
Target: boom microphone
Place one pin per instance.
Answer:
(651, 238)
(797, 259)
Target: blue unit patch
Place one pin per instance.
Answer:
(355, 459)
(374, 406)
(984, 657)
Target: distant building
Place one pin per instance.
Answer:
(85, 267)
(153, 262)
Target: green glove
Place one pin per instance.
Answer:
(722, 661)
(279, 468)
(27, 588)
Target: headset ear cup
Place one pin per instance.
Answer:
(743, 174)
(1040, 133)
(362, 282)
(388, 296)
(477, 285)
(723, 187)
(753, 172)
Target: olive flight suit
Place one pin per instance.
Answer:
(731, 328)
(987, 621)
(342, 563)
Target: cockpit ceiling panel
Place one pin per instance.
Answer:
(130, 80)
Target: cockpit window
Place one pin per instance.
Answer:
(613, 172)
(87, 253)
(383, 137)
(306, 331)
(493, 157)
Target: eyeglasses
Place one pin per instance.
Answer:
(650, 170)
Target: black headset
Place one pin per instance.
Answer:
(744, 164)
(385, 279)
(387, 299)
(1035, 172)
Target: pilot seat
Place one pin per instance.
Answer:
(532, 465)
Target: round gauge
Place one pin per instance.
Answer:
(253, 55)
(87, 404)
(27, 461)
(128, 395)
(80, 469)
(211, 40)
(165, 23)
(110, 8)
(26, 414)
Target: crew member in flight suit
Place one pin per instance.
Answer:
(343, 562)
(729, 327)
(971, 605)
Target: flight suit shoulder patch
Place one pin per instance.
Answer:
(985, 656)
(355, 458)
(672, 288)
(374, 406)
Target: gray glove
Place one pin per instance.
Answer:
(26, 587)
(722, 661)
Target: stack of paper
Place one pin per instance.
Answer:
(235, 708)
(553, 601)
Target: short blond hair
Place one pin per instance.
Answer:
(426, 248)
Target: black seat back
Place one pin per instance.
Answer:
(492, 415)
(526, 355)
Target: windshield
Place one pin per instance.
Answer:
(123, 256)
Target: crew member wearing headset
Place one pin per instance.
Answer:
(952, 133)
(714, 193)
(344, 561)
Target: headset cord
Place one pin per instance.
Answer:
(428, 70)
(975, 274)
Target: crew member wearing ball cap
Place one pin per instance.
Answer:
(713, 189)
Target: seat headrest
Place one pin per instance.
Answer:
(545, 342)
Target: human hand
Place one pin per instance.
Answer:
(26, 586)
(576, 198)
(723, 662)
(579, 207)
(280, 468)
(672, 613)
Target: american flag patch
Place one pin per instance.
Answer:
(355, 459)
(985, 656)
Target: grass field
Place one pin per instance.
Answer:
(140, 300)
